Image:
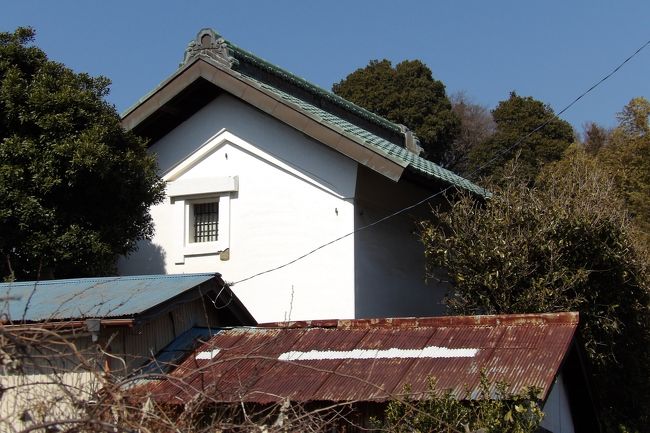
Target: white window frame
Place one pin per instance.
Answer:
(184, 194)
(192, 248)
(190, 216)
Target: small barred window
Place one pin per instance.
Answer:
(206, 220)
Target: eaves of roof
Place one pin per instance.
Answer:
(266, 99)
(138, 296)
(416, 164)
(377, 153)
(246, 56)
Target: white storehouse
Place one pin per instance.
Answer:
(263, 167)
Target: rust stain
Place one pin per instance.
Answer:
(522, 350)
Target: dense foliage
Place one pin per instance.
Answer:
(75, 188)
(563, 245)
(406, 94)
(626, 156)
(494, 410)
(516, 118)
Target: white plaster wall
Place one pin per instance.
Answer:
(557, 413)
(294, 194)
(389, 258)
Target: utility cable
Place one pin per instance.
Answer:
(443, 191)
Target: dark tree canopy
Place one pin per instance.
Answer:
(406, 94)
(563, 245)
(515, 118)
(75, 187)
(595, 137)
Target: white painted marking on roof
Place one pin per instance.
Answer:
(207, 354)
(426, 352)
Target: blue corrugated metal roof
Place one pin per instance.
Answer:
(91, 297)
(178, 349)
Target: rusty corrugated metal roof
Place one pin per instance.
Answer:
(372, 360)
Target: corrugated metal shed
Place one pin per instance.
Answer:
(372, 360)
(36, 301)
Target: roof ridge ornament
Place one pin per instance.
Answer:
(210, 44)
(411, 141)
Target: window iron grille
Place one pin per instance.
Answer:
(206, 220)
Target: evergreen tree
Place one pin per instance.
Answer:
(406, 94)
(75, 187)
(516, 118)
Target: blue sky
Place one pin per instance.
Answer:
(551, 50)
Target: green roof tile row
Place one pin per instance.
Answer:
(415, 163)
(242, 55)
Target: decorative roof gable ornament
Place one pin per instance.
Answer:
(209, 44)
(411, 141)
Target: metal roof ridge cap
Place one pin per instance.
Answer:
(519, 319)
(169, 276)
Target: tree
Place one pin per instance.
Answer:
(406, 94)
(633, 120)
(493, 410)
(476, 126)
(516, 118)
(626, 159)
(595, 137)
(563, 245)
(75, 187)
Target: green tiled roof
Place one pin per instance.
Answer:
(415, 163)
(396, 152)
(243, 55)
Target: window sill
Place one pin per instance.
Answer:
(183, 194)
(203, 248)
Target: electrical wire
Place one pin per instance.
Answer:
(443, 191)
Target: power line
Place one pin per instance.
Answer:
(443, 191)
(543, 125)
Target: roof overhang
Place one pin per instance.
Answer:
(63, 325)
(200, 81)
(133, 300)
